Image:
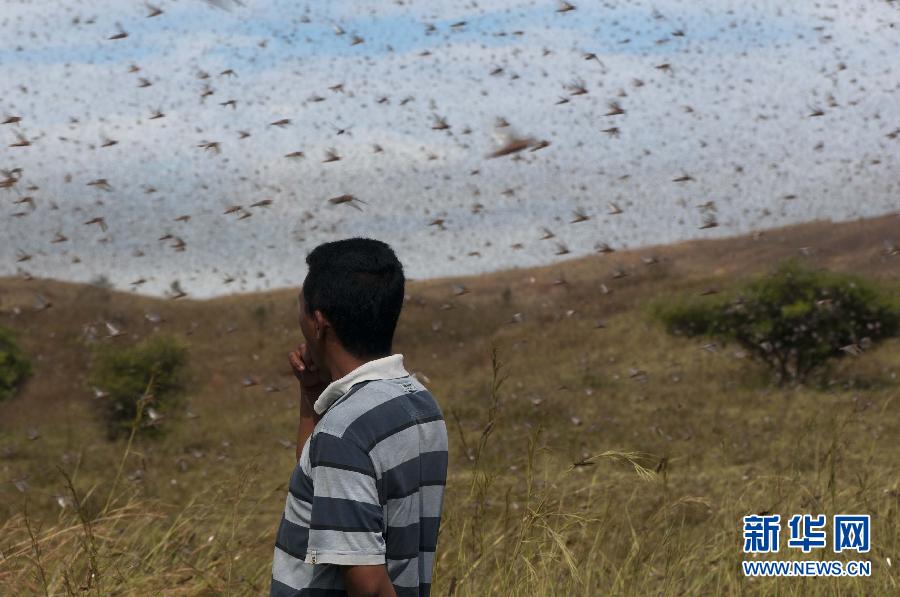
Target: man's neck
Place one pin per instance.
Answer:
(343, 363)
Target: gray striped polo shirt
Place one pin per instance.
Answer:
(368, 489)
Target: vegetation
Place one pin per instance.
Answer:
(15, 367)
(524, 520)
(121, 375)
(101, 281)
(584, 459)
(793, 319)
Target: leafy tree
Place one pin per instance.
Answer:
(793, 319)
(123, 376)
(15, 367)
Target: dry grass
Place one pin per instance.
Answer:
(673, 443)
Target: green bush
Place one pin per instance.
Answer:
(124, 374)
(15, 367)
(794, 319)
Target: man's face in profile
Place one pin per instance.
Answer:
(308, 328)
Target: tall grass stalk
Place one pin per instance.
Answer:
(141, 402)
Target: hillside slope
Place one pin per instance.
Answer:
(586, 374)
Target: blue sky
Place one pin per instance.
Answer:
(597, 28)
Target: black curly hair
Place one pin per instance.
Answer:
(359, 286)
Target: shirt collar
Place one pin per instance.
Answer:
(388, 367)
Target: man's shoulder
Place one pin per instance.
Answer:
(379, 403)
(417, 400)
(363, 397)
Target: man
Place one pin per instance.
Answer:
(363, 508)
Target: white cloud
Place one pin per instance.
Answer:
(750, 87)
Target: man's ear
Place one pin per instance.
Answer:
(320, 323)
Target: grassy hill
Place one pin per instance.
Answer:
(677, 439)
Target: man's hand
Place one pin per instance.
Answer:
(311, 379)
(311, 386)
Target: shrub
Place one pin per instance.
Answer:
(794, 319)
(260, 314)
(124, 374)
(101, 281)
(15, 367)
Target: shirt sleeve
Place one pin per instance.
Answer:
(347, 520)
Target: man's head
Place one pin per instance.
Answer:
(350, 300)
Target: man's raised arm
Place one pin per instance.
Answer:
(308, 419)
